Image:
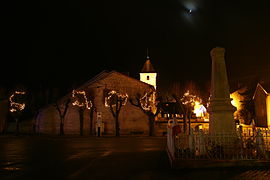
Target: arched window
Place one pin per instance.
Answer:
(147, 77)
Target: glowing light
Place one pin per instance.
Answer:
(149, 78)
(195, 103)
(80, 99)
(189, 99)
(16, 106)
(113, 95)
(235, 100)
(199, 109)
(148, 102)
(268, 109)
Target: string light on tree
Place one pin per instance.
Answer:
(145, 102)
(80, 99)
(148, 101)
(115, 101)
(110, 100)
(194, 103)
(15, 105)
(189, 99)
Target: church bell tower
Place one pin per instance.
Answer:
(148, 73)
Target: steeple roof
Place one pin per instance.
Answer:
(148, 67)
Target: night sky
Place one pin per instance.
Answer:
(59, 43)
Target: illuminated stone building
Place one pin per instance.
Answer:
(262, 105)
(132, 120)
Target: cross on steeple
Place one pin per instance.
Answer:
(147, 53)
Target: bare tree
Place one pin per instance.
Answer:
(17, 105)
(115, 100)
(182, 108)
(185, 98)
(177, 92)
(62, 114)
(92, 110)
(148, 104)
(80, 100)
(188, 100)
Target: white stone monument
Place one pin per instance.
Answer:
(221, 119)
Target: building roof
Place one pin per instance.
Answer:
(148, 67)
(265, 87)
(102, 75)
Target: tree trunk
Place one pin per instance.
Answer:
(185, 122)
(151, 125)
(4, 107)
(189, 122)
(117, 129)
(5, 126)
(17, 126)
(34, 128)
(91, 121)
(81, 121)
(62, 127)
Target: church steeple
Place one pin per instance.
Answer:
(148, 67)
(148, 73)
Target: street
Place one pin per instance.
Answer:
(74, 157)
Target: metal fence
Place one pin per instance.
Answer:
(237, 146)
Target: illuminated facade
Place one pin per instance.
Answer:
(262, 105)
(132, 120)
(236, 101)
(148, 73)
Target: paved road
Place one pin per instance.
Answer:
(26, 157)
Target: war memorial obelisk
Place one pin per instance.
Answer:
(220, 108)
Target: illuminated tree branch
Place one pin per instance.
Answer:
(80, 100)
(17, 105)
(189, 101)
(115, 100)
(149, 105)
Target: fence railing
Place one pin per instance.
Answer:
(201, 145)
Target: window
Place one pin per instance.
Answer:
(147, 78)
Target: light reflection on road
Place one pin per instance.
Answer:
(90, 158)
